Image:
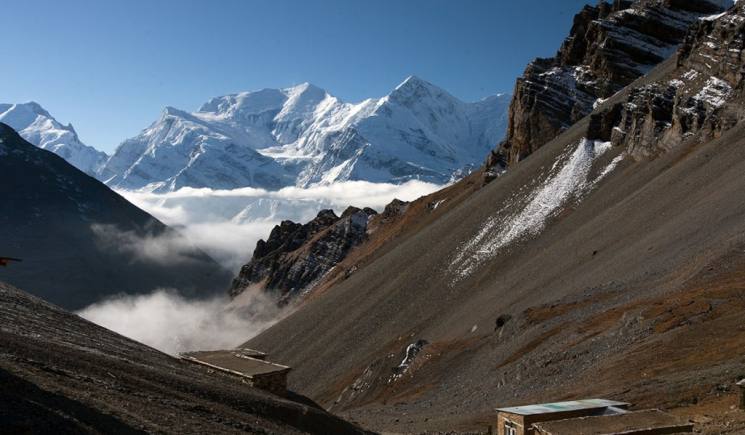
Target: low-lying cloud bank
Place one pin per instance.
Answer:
(226, 224)
(168, 322)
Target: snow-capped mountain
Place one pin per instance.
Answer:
(40, 128)
(302, 135)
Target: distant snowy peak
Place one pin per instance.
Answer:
(40, 128)
(303, 135)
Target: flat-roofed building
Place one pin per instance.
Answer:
(648, 422)
(519, 420)
(587, 417)
(247, 364)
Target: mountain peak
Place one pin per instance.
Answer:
(413, 81)
(170, 110)
(417, 88)
(302, 87)
(39, 127)
(26, 110)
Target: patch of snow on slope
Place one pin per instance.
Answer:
(715, 92)
(571, 181)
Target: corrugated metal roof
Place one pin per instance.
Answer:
(574, 405)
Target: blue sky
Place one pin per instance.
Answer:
(109, 67)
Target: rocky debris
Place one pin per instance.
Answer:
(394, 209)
(609, 46)
(410, 354)
(501, 321)
(692, 103)
(295, 255)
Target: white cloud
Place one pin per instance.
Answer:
(167, 321)
(226, 224)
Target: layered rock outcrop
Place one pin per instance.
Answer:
(694, 102)
(610, 46)
(297, 255)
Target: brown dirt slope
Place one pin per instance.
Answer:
(632, 293)
(62, 374)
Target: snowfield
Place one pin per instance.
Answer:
(568, 179)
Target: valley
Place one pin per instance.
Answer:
(410, 264)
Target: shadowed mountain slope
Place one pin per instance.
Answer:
(62, 374)
(80, 241)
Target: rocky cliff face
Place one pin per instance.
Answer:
(697, 102)
(610, 46)
(295, 256)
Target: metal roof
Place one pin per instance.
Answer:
(574, 405)
(631, 422)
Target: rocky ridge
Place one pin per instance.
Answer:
(64, 375)
(296, 256)
(610, 46)
(697, 102)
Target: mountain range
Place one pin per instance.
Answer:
(303, 135)
(598, 252)
(295, 136)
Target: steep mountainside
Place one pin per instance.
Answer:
(303, 135)
(608, 264)
(610, 46)
(64, 375)
(80, 241)
(40, 128)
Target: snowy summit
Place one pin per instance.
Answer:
(303, 135)
(40, 128)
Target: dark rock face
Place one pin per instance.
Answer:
(295, 255)
(394, 209)
(609, 46)
(693, 103)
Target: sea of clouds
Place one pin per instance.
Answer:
(226, 224)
